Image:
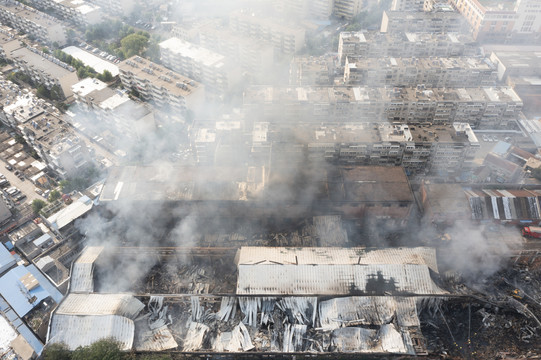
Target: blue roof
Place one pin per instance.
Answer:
(6, 259)
(16, 294)
(42, 239)
(501, 148)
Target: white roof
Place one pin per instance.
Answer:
(100, 304)
(86, 86)
(390, 340)
(71, 212)
(75, 331)
(328, 270)
(335, 279)
(81, 275)
(7, 334)
(367, 310)
(254, 255)
(196, 53)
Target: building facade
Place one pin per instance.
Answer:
(441, 20)
(160, 85)
(38, 25)
(432, 72)
(404, 44)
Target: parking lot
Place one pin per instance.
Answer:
(26, 187)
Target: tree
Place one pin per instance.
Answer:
(133, 44)
(37, 205)
(56, 351)
(106, 349)
(54, 195)
(106, 76)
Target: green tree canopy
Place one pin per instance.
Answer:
(37, 205)
(106, 349)
(134, 44)
(56, 351)
(54, 195)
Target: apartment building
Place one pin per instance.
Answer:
(441, 20)
(160, 85)
(517, 63)
(374, 44)
(57, 145)
(9, 41)
(502, 21)
(115, 7)
(36, 24)
(110, 115)
(432, 72)
(438, 149)
(287, 39)
(78, 12)
(311, 71)
(304, 9)
(217, 73)
(486, 107)
(45, 69)
(347, 9)
(407, 5)
(253, 56)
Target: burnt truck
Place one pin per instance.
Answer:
(531, 231)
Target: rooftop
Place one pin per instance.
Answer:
(196, 53)
(42, 63)
(89, 59)
(158, 76)
(86, 86)
(21, 298)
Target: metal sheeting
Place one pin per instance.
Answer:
(194, 337)
(252, 255)
(504, 204)
(387, 339)
(77, 331)
(101, 304)
(236, 340)
(367, 310)
(147, 339)
(335, 280)
(82, 272)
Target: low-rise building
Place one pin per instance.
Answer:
(37, 24)
(44, 69)
(374, 44)
(116, 7)
(441, 20)
(432, 72)
(217, 73)
(160, 85)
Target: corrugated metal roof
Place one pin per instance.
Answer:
(101, 304)
(81, 275)
(75, 331)
(252, 255)
(387, 339)
(147, 339)
(21, 299)
(489, 204)
(71, 212)
(367, 310)
(335, 279)
(6, 259)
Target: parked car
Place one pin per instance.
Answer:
(9, 167)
